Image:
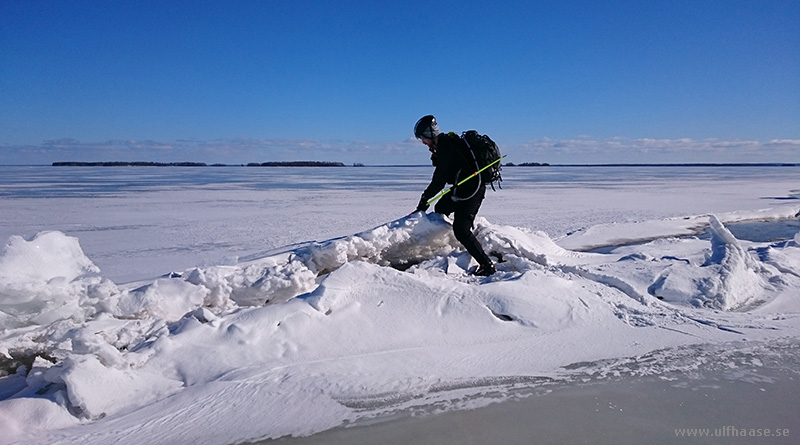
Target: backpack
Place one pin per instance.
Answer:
(484, 152)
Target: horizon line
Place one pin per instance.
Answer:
(287, 163)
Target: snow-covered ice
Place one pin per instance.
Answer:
(315, 335)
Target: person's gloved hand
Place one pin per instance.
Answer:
(423, 205)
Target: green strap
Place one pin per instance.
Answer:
(432, 200)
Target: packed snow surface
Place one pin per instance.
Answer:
(327, 333)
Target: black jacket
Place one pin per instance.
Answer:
(453, 162)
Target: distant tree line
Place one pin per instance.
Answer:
(196, 164)
(296, 164)
(129, 164)
(527, 164)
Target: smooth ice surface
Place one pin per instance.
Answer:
(294, 337)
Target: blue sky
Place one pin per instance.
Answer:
(252, 81)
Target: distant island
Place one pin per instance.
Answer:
(196, 164)
(296, 164)
(527, 164)
(128, 164)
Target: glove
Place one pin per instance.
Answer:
(423, 205)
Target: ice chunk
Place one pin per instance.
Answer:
(49, 278)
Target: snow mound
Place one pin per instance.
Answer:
(720, 274)
(48, 278)
(276, 279)
(357, 326)
(730, 278)
(48, 256)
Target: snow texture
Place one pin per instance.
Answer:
(324, 333)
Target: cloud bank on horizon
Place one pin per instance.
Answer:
(583, 150)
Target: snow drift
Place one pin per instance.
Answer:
(354, 327)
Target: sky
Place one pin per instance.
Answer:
(253, 81)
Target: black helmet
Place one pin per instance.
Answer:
(426, 127)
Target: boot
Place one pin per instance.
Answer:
(484, 270)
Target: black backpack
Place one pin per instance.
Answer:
(484, 152)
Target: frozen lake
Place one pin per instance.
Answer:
(141, 222)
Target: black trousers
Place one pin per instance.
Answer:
(464, 213)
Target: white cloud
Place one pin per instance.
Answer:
(784, 142)
(578, 150)
(650, 150)
(226, 151)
